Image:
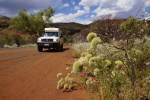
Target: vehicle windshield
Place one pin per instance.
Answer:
(50, 34)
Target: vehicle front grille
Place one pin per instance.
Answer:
(47, 40)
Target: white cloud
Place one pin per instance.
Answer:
(125, 5)
(59, 17)
(76, 8)
(93, 16)
(122, 8)
(73, 2)
(147, 4)
(89, 3)
(86, 10)
(72, 17)
(104, 11)
(35, 11)
(87, 16)
(66, 5)
(10, 7)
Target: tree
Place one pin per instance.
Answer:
(32, 23)
(48, 13)
(37, 23)
(21, 22)
(134, 28)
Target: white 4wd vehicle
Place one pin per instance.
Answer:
(52, 38)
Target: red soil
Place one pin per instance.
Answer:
(26, 74)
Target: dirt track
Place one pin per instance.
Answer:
(26, 74)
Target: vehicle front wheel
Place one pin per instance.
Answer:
(40, 49)
(58, 48)
(62, 47)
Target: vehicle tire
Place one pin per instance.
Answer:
(40, 49)
(58, 48)
(62, 47)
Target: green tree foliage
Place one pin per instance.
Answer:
(32, 23)
(37, 23)
(48, 13)
(134, 28)
(67, 39)
(21, 22)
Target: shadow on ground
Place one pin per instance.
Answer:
(54, 50)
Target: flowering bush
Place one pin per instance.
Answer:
(110, 71)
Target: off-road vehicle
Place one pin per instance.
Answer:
(51, 38)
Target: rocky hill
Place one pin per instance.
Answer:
(67, 28)
(4, 22)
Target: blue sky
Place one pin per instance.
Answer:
(80, 11)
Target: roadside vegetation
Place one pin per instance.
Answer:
(109, 66)
(113, 55)
(24, 28)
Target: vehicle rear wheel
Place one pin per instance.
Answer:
(40, 49)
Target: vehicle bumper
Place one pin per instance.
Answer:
(48, 45)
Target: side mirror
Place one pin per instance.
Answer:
(61, 36)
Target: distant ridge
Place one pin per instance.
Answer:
(69, 28)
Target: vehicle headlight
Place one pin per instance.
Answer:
(56, 40)
(38, 40)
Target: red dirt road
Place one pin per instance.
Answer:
(26, 74)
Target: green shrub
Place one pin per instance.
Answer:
(117, 72)
(68, 39)
(95, 41)
(80, 48)
(58, 75)
(77, 67)
(10, 38)
(91, 36)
